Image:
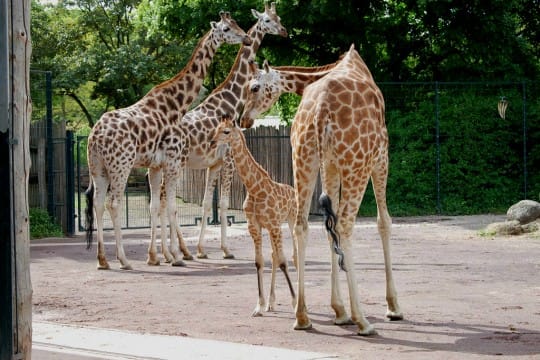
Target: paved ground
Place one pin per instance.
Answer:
(463, 295)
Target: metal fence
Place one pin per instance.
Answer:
(430, 124)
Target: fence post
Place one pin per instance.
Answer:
(524, 87)
(50, 146)
(438, 148)
(70, 185)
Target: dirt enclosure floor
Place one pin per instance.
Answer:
(464, 296)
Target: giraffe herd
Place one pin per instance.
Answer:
(339, 130)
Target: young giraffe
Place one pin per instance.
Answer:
(148, 134)
(267, 84)
(268, 204)
(340, 129)
(203, 120)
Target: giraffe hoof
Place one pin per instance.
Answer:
(307, 326)
(152, 262)
(202, 256)
(126, 267)
(394, 315)
(188, 257)
(343, 321)
(103, 266)
(368, 331)
(228, 256)
(178, 263)
(256, 313)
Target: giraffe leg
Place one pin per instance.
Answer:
(384, 223)
(256, 235)
(154, 179)
(271, 303)
(182, 244)
(170, 194)
(278, 259)
(100, 193)
(348, 209)
(300, 233)
(305, 167)
(331, 181)
(113, 204)
(226, 180)
(211, 177)
(165, 247)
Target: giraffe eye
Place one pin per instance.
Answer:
(227, 131)
(255, 88)
(225, 29)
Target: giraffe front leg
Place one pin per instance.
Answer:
(154, 180)
(256, 235)
(170, 194)
(226, 180)
(211, 176)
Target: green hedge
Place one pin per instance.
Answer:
(480, 155)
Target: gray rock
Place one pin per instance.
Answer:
(524, 211)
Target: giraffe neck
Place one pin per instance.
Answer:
(173, 97)
(295, 79)
(250, 171)
(231, 92)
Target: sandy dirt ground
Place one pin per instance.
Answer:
(463, 295)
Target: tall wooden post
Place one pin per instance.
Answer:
(15, 114)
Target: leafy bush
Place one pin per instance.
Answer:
(451, 153)
(42, 225)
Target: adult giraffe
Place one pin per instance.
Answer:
(203, 120)
(339, 129)
(148, 134)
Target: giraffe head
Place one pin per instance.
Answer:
(269, 21)
(228, 31)
(263, 92)
(224, 132)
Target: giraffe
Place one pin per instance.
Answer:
(268, 204)
(340, 129)
(148, 134)
(268, 83)
(203, 120)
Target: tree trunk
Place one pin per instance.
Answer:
(20, 169)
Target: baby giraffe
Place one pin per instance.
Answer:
(268, 204)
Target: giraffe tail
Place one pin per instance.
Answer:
(330, 222)
(89, 213)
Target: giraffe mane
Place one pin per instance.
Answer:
(191, 60)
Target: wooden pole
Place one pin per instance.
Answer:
(20, 169)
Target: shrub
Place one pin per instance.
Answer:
(42, 225)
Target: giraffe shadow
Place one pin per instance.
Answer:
(452, 337)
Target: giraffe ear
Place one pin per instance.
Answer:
(213, 25)
(256, 14)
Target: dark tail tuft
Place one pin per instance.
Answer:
(330, 222)
(89, 215)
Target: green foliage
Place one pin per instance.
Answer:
(480, 156)
(42, 225)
